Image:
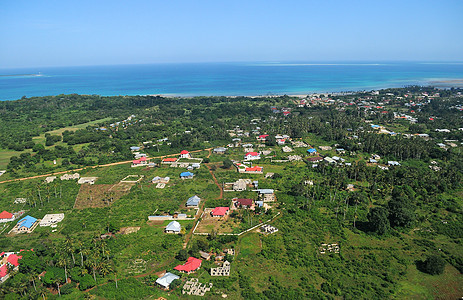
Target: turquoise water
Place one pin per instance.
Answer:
(228, 79)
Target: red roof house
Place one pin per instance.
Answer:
(4, 215)
(252, 155)
(254, 169)
(262, 137)
(13, 259)
(191, 265)
(185, 154)
(244, 202)
(3, 271)
(219, 211)
(169, 160)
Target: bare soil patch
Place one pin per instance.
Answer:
(98, 195)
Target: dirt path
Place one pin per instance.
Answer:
(190, 234)
(97, 166)
(216, 182)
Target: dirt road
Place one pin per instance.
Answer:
(97, 166)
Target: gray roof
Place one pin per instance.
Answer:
(265, 191)
(193, 201)
(167, 279)
(173, 226)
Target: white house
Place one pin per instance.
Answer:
(173, 227)
(166, 280)
(252, 156)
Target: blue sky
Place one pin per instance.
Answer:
(69, 33)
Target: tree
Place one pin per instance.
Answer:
(227, 163)
(182, 255)
(433, 265)
(400, 213)
(378, 220)
(175, 283)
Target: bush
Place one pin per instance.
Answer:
(433, 265)
(86, 282)
(68, 288)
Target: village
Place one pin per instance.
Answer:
(203, 212)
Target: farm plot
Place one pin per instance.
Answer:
(99, 195)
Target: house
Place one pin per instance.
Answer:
(139, 162)
(224, 270)
(253, 170)
(266, 195)
(268, 229)
(220, 150)
(193, 201)
(166, 280)
(262, 137)
(373, 161)
(243, 203)
(89, 180)
(50, 179)
(205, 255)
(134, 148)
(8, 259)
(168, 160)
(314, 159)
(192, 264)
(239, 185)
(186, 175)
(252, 156)
(26, 224)
(158, 179)
(393, 163)
(195, 165)
(286, 149)
(340, 150)
(185, 154)
(173, 227)
(220, 211)
(70, 176)
(329, 160)
(312, 151)
(6, 217)
(51, 220)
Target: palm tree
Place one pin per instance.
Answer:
(93, 263)
(63, 262)
(69, 247)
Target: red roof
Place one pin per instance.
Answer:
(246, 202)
(286, 113)
(184, 152)
(190, 265)
(254, 169)
(252, 154)
(6, 215)
(13, 259)
(263, 136)
(220, 211)
(3, 270)
(169, 159)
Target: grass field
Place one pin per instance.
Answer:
(6, 154)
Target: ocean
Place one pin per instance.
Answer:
(227, 79)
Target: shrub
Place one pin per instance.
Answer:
(433, 265)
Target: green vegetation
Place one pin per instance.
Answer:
(398, 228)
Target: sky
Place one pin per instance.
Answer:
(73, 33)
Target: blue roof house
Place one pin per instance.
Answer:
(134, 148)
(193, 201)
(26, 224)
(312, 150)
(186, 175)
